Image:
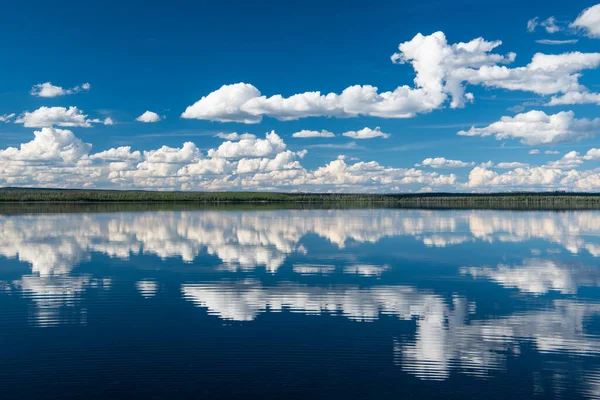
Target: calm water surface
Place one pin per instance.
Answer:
(382, 303)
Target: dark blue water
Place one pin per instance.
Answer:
(300, 303)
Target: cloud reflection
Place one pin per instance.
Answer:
(54, 243)
(539, 276)
(447, 336)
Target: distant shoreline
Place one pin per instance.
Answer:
(513, 200)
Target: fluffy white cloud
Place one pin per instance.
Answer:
(148, 117)
(338, 172)
(55, 116)
(441, 162)
(313, 134)
(48, 145)
(575, 98)
(536, 127)
(170, 155)
(235, 136)
(545, 74)
(225, 105)
(6, 118)
(284, 160)
(570, 160)
(589, 21)
(367, 133)
(520, 177)
(592, 154)
(556, 175)
(123, 153)
(47, 89)
(534, 151)
(210, 166)
(108, 121)
(442, 70)
(251, 147)
(56, 158)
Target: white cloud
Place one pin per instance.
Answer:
(536, 127)
(123, 153)
(532, 24)
(6, 118)
(55, 116)
(56, 158)
(282, 161)
(534, 151)
(520, 177)
(575, 98)
(225, 105)
(570, 160)
(48, 145)
(47, 89)
(108, 121)
(589, 21)
(545, 74)
(170, 155)
(367, 133)
(441, 162)
(592, 154)
(557, 42)
(551, 152)
(511, 165)
(556, 175)
(271, 145)
(433, 59)
(549, 24)
(235, 136)
(313, 134)
(442, 72)
(148, 117)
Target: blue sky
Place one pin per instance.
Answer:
(164, 57)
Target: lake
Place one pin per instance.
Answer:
(297, 303)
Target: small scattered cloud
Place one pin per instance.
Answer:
(532, 24)
(367, 133)
(549, 24)
(557, 42)
(313, 134)
(511, 165)
(233, 136)
(148, 117)
(49, 90)
(6, 118)
(516, 109)
(441, 162)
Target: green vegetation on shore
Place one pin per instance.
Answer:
(515, 200)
